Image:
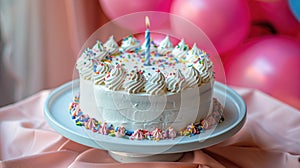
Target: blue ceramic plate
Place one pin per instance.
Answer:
(57, 114)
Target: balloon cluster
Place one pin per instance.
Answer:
(258, 40)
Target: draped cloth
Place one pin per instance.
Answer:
(269, 138)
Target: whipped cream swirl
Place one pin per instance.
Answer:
(86, 55)
(130, 44)
(99, 51)
(80, 61)
(114, 80)
(180, 50)
(111, 46)
(91, 124)
(85, 65)
(165, 46)
(100, 72)
(156, 84)
(206, 70)
(192, 77)
(195, 53)
(137, 134)
(176, 82)
(135, 83)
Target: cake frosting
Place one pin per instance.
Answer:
(195, 53)
(115, 78)
(193, 77)
(100, 73)
(156, 134)
(156, 84)
(85, 64)
(99, 52)
(112, 46)
(176, 82)
(165, 46)
(180, 50)
(135, 82)
(130, 44)
(117, 89)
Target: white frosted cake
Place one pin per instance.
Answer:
(119, 92)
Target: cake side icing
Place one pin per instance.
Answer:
(82, 119)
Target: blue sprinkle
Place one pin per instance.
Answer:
(97, 127)
(95, 67)
(129, 133)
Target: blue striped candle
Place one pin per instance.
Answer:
(147, 40)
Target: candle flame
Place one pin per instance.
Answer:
(147, 21)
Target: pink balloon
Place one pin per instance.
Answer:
(117, 8)
(277, 13)
(261, 29)
(271, 64)
(226, 23)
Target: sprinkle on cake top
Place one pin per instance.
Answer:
(122, 67)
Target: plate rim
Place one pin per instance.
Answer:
(83, 139)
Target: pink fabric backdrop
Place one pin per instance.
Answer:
(270, 138)
(67, 25)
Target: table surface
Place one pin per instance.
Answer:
(269, 138)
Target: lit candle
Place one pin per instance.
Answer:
(147, 40)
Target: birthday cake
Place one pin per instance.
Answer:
(145, 90)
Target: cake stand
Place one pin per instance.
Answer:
(125, 150)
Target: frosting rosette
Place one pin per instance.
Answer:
(100, 72)
(157, 134)
(195, 53)
(156, 84)
(135, 83)
(91, 124)
(115, 78)
(176, 82)
(165, 46)
(130, 44)
(180, 50)
(86, 55)
(137, 135)
(192, 77)
(85, 65)
(99, 51)
(120, 131)
(206, 69)
(111, 46)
